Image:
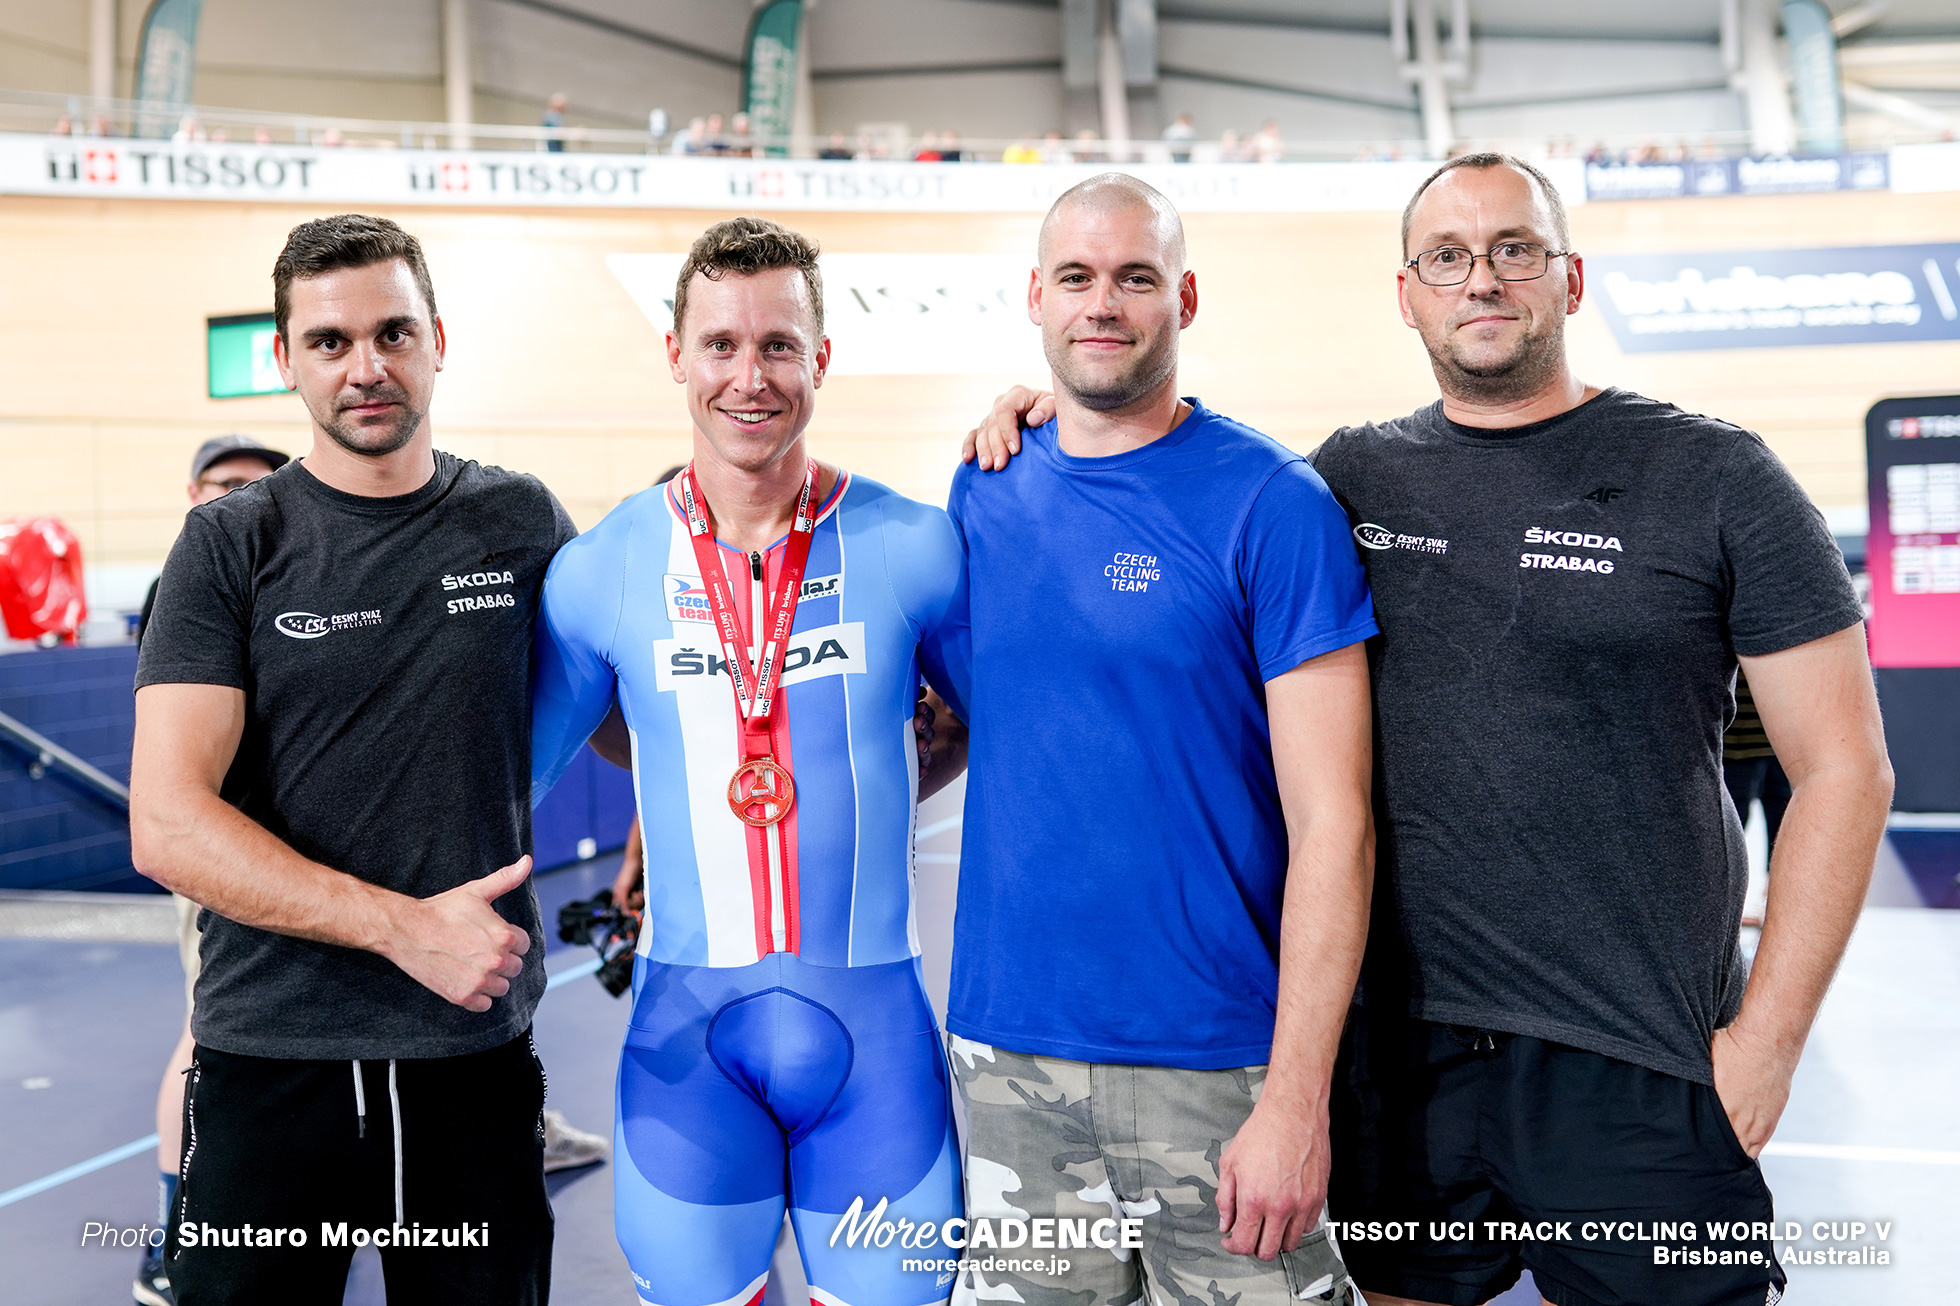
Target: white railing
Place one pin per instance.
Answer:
(39, 112)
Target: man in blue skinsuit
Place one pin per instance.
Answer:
(761, 622)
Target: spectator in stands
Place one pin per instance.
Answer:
(1598, 153)
(928, 151)
(692, 141)
(261, 135)
(1179, 136)
(839, 147)
(1022, 152)
(187, 131)
(331, 139)
(1229, 149)
(102, 126)
(554, 117)
(741, 137)
(1267, 146)
(717, 135)
(219, 135)
(63, 127)
(1054, 149)
(1087, 148)
(949, 147)
(219, 466)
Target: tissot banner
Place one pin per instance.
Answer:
(94, 168)
(1739, 299)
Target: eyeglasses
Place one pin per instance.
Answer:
(1511, 260)
(229, 484)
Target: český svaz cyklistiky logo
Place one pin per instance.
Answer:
(308, 625)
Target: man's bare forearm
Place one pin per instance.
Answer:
(193, 842)
(1822, 867)
(1323, 928)
(1322, 757)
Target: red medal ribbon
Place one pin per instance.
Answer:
(755, 685)
(761, 793)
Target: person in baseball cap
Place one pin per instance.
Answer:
(221, 464)
(220, 452)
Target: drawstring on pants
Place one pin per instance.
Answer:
(395, 1119)
(360, 1101)
(395, 1109)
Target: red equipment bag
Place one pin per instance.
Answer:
(41, 579)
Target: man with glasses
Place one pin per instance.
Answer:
(1552, 1023)
(1552, 1049)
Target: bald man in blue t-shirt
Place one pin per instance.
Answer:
(1170, 737)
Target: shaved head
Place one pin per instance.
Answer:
(1112, 293)
(1111, 193)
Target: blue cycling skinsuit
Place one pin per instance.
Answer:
(781, 1051)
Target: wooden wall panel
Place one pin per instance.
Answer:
(552, 369)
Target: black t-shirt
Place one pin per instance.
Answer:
(1561, 607)
(384, 647)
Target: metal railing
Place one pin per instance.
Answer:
(44, 112)
(46, 755)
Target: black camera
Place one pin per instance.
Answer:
(597, 922)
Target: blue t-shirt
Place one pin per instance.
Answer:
(1124, 853)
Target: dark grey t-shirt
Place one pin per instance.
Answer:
(1561, 607)
(384, 647)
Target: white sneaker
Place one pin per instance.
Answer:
(567, 1147)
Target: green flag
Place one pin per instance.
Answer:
(166, 61)
(769, 73)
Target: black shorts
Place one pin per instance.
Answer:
(283, 1179)
(1582, 1154)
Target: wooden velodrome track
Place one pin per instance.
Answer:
(553, 370)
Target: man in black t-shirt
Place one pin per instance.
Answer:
(1553, 1020)
(332, 755)
(1555, 1028)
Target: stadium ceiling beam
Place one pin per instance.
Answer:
(1170, 11)
(1284, 88)
(1873, 100)
(936, 69)
(612, 27)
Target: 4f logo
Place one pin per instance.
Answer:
(1604, 494)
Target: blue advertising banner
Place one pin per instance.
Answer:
(1775, 175)
(1749, 299)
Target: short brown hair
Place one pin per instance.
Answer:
(1561, 228)
(743, 247)
(346, 240)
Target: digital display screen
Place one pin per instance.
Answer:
(1913, 452)
(238, 351)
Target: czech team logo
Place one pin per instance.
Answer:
(687, 600)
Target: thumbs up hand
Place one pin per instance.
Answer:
(456, 946)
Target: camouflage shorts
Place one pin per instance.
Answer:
(1048, 1138)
